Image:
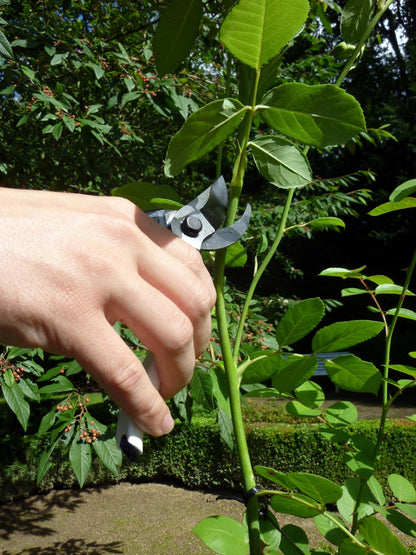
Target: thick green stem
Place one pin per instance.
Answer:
(235, 406)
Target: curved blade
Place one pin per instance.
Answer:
(227, 236)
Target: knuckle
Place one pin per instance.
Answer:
(183, 333)
(128, 377)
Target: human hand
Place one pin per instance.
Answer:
(72, 265)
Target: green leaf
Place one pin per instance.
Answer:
(347, 504)
(342, 335)
(225, 426)
(297, 505)
(5, 48)
(223, 535)
(260, 368)
(327, 222)
(274, 476)
(176, 33)
(203, 131)
(387, 207)
(143, 194)
(106, 448)
(299, 320)
(349, 547)
(377, 490)
(408, 370)
(294, 540)
(402, 488)
(409, 510)
(310, 394)
(341, 414)
(256, 30)
(236, 256)
(403, 313)
(202, 388)
(355, 19)
(15, 399)
(48, 420)
(353, 374)
(293, 371)
(61, 385)
(319, 488)
(44, 464)
(299, 410)
(343, 273)
(404, 190)
(329, 529)
(392, 289)
(280, 162)
(316, 115)
(378, 535)
(400, 521)
(80, 459)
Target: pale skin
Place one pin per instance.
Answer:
(72, 265)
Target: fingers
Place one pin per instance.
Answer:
(104, 355)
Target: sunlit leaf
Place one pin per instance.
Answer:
(387, 207)
(256, 30)
(143, 194)
(341, 335)
(379, 536)
(223, 535)
(402, 488)
(404, 190)
(316, 115)
(319, 488)
(341, 414)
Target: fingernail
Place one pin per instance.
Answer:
(167, 424)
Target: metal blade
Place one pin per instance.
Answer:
(227, 236)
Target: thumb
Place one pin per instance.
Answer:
(121, 374)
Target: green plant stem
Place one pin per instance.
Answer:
(386, 403)
(229, 366)
(260, 271)
(235, 406)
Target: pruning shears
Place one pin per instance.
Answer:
(199, 224)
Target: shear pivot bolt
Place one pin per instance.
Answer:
(191, 226)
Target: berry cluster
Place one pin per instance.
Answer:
(17, 371)
(90, 435)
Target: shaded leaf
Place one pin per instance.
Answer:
(353, 374)
(176, 33)
(297, 505)
(80, 459)
(280, 162)
(202, 389)
(261, 367)
(202, 131)
(299, 320)
(293, 371)
(15, 399)
(294, 540)
(356, 17)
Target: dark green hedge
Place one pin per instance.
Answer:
(195, 457)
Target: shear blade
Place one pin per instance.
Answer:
(227, 236)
